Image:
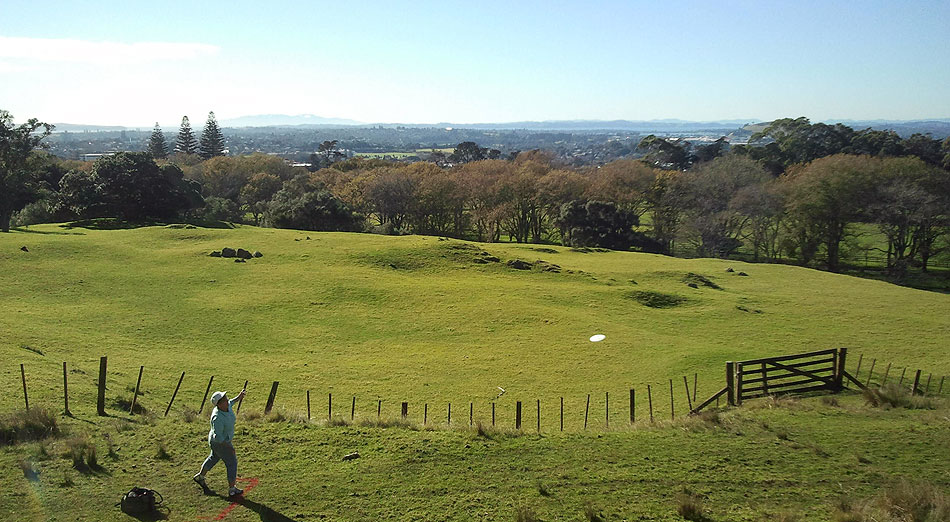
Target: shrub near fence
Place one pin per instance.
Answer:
(823, 370)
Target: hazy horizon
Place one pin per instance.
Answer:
(424, 63)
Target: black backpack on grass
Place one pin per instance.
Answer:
(140, 500)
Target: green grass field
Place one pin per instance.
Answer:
(416, 319)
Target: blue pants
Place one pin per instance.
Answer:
(222, 451)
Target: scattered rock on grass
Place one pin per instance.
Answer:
(519, 264)
(492, 259)
(692, 285)
(352, 456)
(239, 260)
(480, 261)
(743, 274)
(228, 252)
(216, 253)
(243, 254)
(730, 270)
(258, 254)
(23, 248)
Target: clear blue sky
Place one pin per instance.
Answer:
(135, 63)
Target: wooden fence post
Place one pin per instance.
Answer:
(353, 409)
(901, 381)
(471, 413)
(175, 393)
(839, 371)
(425, 413)
(518, 415)
(270, 397)
(857, 370)
(871, 373)
(493, 414)
(731, 382)
(379, 407)
(65, 392)
(241, 401)
(765, 379)
(913, 390)
(633, 404)
(562, 413)
(308, 404)
(886, 371)
(405, 410)
(650, 401)
(927, 388)
(739, 383)
(941, 385)
(136, 394)
(586, 411)
(539, 415)
(607, 409)
(23, 378)
(695, 386)
(450, 415)
(203, 399)
(689, 399)
(672, 413)
(329, 406)
(101, 399)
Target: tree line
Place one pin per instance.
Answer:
(798, 190)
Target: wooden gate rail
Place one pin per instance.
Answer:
(820, 370)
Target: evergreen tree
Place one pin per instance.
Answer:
(212, 141)
(156, 144)
(186, 144)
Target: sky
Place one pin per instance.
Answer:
(137, 63)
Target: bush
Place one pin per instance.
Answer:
(896, 396)
(690, 506)
(34, 214)
(20, 426)
(525, 514)
(221, 209)
(903, 501)
(306, 205)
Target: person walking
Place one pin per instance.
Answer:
(220, 439)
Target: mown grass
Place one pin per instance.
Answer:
(414, 319)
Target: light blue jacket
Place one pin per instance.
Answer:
(222, 424)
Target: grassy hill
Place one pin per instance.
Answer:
(433, 321)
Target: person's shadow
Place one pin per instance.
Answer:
(267, 514)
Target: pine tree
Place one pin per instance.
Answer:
(212, 141)
(186, 144)
(156, 144)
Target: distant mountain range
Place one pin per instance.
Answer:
(939, 127)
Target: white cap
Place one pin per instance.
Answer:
(217, 396)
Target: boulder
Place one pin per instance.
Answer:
(239, 260)
(352, 456)
(692, 285)
(243, 254)
(228, 252)
(743, 274)
(258, 254)
(216, 253)
(23, 248)
(493, 259)
(730, 270)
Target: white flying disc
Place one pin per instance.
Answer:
(597, 338)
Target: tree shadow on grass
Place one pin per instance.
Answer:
(106, 224)
(27, 230)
